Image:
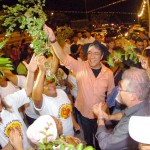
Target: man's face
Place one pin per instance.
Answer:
(75, 39)
(79, 35)
(87, 34)
(111, 45)
(140, 45)
(98, 38)
(94, 57)
(50, 89)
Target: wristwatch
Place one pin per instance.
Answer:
(53, 41)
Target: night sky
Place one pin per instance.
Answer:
(79, 5)
(131, 6)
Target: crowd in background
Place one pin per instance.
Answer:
(69, 72)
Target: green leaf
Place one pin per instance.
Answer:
(41, 146)
(44, 140)
(79, 146)
(49, 147)
(2, 44)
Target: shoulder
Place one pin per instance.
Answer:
(106, 69)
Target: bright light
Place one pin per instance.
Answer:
(52, 13)
(143, 8)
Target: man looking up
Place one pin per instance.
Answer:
(93, 79)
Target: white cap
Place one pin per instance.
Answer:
(139, 129)
(34, 131)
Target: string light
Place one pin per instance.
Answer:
(83, 12)
(142, 8)
(108, 5)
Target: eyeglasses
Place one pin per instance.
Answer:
(125, 90)
(95, 53)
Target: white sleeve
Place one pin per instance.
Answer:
(45, 108)
(17, 99)
(21, 81)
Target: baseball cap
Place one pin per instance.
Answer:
(139, 129)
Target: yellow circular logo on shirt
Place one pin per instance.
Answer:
(65, 111)
(12, 125)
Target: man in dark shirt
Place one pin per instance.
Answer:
(134, 93)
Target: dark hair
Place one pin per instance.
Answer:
(98, 46)
(146, 52)
(138, 40)
(110, 40)
(88, 30)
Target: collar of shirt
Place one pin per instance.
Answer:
(132, 110)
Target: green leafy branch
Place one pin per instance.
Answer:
(128, 52)
(29, 16)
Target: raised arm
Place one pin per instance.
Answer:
(39, 83)
(54, 63)
(32, 66)
(62, 55)
(11, 77)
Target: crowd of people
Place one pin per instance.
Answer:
(89, 97)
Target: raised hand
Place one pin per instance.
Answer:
(32, 66)
(49, 32)
(41, 60)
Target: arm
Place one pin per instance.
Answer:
(11, 77)
(55, 63)
(98, 111)
(32, 66)
(116, 139)
(39, 83)
(75, 124)
(57, 49)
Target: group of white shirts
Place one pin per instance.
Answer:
(59, 107)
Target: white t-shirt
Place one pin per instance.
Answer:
(21, 81)
(29, 108)
(9, 89)
(59, 107)
(13, 118)
(89, 40)
(73, 81)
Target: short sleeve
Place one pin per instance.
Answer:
(17, 99)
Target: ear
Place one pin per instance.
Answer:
(133, 97)
(102, 56)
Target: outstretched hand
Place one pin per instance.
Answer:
(97, 109)
(32, 66)
(49, 32)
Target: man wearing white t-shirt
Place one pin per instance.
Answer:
(52, 102)
(9, 114)
(89, 38)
